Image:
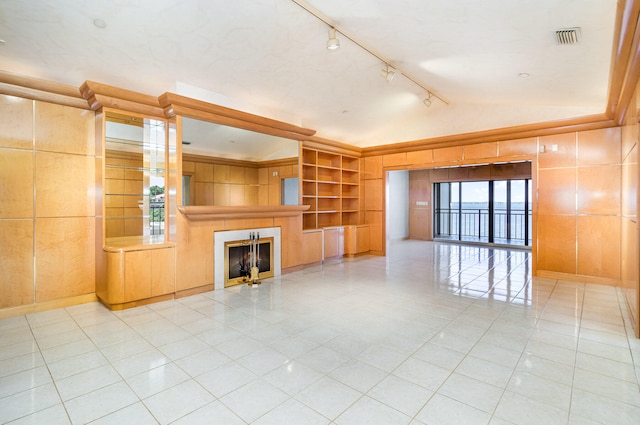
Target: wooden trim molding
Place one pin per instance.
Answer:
(238, 162)
(169, 101)
(331, 146)
(590, 122)
(625, 36)
(37, 89)
(200, 213)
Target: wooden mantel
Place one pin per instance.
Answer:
(205, 212)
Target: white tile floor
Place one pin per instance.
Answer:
(433, 333)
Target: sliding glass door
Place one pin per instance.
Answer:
(484, 211)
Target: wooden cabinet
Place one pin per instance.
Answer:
(138, 264)
(356, 239)
(312, 246)
(331, 188)
(136, 274)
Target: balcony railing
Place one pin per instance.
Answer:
(473, 224)
(156, 218)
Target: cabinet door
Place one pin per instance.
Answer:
(163, 271)
(362, 239)
(137, 276)
(333, 242)
(312, 247)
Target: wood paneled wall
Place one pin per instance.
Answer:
(237, 185)
(48, 186)
(577, 204)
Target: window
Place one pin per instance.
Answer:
(484, 211)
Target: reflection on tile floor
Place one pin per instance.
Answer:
(431, 334)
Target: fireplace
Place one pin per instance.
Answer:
(222, 239)
(237, 260)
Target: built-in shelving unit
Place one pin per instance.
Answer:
(331, 189)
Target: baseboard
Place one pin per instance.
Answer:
(47, 305)
(578, 278)
(195, 291)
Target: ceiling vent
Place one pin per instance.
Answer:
(567, 36)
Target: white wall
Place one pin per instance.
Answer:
(397, 197)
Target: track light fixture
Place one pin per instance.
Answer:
(427, 101)
(388, 73)
(333, 43)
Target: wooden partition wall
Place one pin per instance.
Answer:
(48, 217)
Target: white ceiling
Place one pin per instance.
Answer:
(269, 57)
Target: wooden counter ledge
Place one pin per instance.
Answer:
(206, 212)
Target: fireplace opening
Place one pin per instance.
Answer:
(237, 260)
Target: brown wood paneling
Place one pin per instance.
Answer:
(565, 156)
(599, 246)
(16, 183)
(67, 272)
(599, 147)
(394, 159)
(420, 157)
(16, 122)
(557, 243)
(481, 150)
(448, 154)
(593, 183)
(16, 262)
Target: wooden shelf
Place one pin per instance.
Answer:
(331, 186)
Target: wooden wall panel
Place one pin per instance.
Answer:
(600, 147)
(420, 157)
(394, 159)
(518, 147)
(16, 262)
(557, 243)
(16, 183)
(599, 246)
(291, 240)
(69, 271)
(64, 185)
(376, 231)
(565, 156)
(373, 198)
(595, 181)
(557, 191)
(372, 167)
(481, 150)
(51, 162)
(16, 122)
(65, 130)
(448, 154)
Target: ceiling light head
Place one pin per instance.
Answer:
(388, 73)
(100, 23)
(428, 100)
(333, 43)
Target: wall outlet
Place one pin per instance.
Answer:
(422, 203)
(275, 173)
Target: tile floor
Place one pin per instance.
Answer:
(434, 333)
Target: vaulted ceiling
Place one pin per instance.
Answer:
(489, 64)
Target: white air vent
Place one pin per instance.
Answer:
(567, 36)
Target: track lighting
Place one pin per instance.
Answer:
(427, 101)
(388, 73)
(333, 43)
